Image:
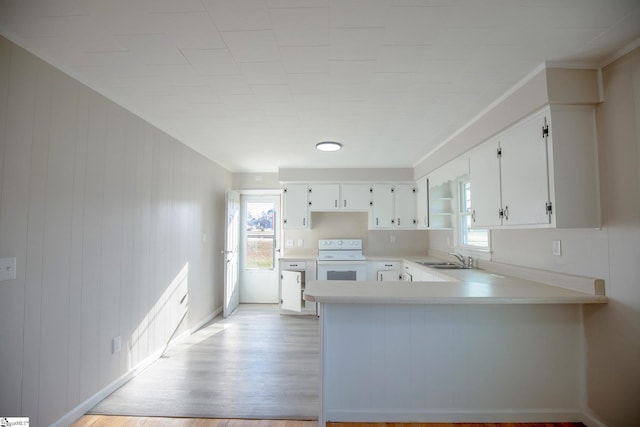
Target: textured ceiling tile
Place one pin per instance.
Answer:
(252, 46)
(268, 78)
(264, 72)
(239, 15)
(305, 59)
(189, 30)
(301, 26)
(211, 61)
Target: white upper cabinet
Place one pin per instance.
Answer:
(296, 206)
(422, 203)
(339, 197)
(356, 197)
(523, 167)
(484, 171)
(541, 172)
(405, 205)
(383, 213)
(324, 197)
(394, 206)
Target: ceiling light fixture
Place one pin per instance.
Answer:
(328, 146)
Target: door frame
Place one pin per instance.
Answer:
(278, 232)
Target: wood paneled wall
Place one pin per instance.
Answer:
(111, 222)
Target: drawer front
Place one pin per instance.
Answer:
(387, 265)
(293, 265)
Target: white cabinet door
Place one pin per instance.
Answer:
(296, 206)
(484, 175)
(291, 288)
(394, 206)
(525, 185)
(324, 197)
(356, 197)
(405, 206)
(422, 203)
(383, 214)
(389, 275)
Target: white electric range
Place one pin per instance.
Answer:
(341, 259)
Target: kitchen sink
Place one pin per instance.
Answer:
(435, 263)
(449, 266)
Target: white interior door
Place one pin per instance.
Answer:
(231, 253)
(259, 249)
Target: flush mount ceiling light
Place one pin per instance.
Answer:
(328, 146)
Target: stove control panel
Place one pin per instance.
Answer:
(339, 244)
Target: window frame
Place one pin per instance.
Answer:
(464, 213)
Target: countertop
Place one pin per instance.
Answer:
(468, 286)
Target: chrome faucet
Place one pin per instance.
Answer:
(468, 263)
(459, 257)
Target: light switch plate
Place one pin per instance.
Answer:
(7, 268)
(116, 344)
(557, 247)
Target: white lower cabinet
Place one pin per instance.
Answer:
(293, 276)
(389, 275)
(383, 271)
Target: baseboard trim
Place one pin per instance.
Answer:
(457, 416)
(81, 409)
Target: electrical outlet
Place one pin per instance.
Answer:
(557, 248)
(288, 243)
(116, 344)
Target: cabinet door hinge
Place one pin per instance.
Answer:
(499, 152)
(545, 129)
(500, 213)
(549, 207)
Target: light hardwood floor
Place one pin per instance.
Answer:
(120, 421)
(256, 364)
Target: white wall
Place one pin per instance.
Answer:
(354, 225)
(103, 212)
(612, 253)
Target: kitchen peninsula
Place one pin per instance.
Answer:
(485, 347)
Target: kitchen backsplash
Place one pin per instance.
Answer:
(353, 225)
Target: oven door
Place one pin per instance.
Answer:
(342, 270)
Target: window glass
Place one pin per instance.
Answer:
(260, 236)
(477, 238)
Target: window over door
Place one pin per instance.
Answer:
(260, 249)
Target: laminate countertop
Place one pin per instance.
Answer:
(472, 286)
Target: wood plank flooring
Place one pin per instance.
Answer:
(121, 421)
(256, 364)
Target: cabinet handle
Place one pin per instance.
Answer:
(335, 204)
(473, 215)
(304, 221)
(398, 222)
(345, 203)
(506, 213)
(376, 220)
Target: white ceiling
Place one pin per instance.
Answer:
(254, 84)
